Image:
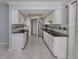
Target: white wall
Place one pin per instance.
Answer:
(65, 16)
(4, 25)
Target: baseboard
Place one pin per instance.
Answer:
(3, 43)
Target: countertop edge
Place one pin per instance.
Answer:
(55, 35)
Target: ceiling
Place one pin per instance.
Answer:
(3, 2)
(31, 0)
(35, 13)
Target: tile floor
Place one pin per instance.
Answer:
(3, 51)
(35, 49)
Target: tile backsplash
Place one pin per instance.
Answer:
(60, 27)
(57, 26)
(14, 26)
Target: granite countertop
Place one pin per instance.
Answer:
(20, 31)
(65, 32)
(54, 33)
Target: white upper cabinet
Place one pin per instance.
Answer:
(21, 18)
(17, 18)
(57, 17)
(49, 18)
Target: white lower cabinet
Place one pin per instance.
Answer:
(18, 40)
(58, 45)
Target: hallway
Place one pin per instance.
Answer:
(36, 49)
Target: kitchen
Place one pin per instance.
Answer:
(47, 24)
(50, 24)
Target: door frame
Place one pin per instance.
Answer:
(31, 27)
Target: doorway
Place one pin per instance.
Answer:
(34, 26)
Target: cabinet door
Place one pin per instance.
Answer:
(17, 40)
(60, 46)
(57, 17)
(50, 41)
(46, 37)
(53, 46)
(20, 18)
(15, 17)
(25, 38)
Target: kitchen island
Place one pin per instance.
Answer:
(54, 33)
(56, 43)
(19, 37)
